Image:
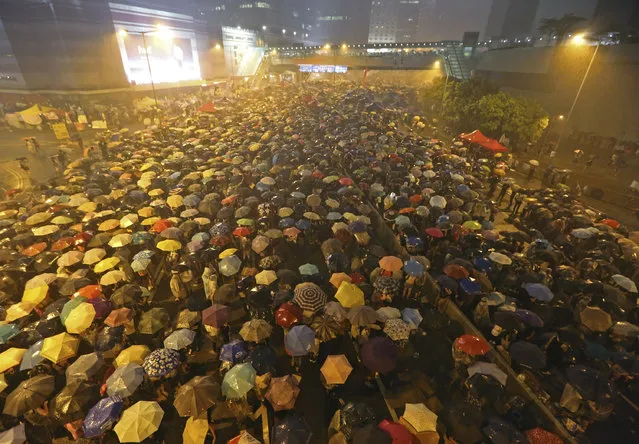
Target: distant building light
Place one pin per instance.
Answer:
(263, 27)
(283, 31)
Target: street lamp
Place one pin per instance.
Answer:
(163, 32)
(437, 64)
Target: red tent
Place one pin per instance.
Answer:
(475, 137)
(207, 108)
(494, 146)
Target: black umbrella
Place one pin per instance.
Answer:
(528, 355)
(74, 401)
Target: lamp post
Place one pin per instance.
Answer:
(160, 30)
(437, 65)
(579, 40)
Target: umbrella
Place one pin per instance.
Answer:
(527, 355)
(362, 315)
(472, 345)
(456, 271)
(256, 330)
(216, 315)
(391, 263)
(120, 240)
(85, 367)
(93, 256)
(299, 340)
(8, 331)
(397, 329)
(539, 292)
(196, 396)
(293, 429)
(413, 267)
(238, 381)
(139, 421)
(230, 265)
(60, 347)
(386, 313)
(169, 245)
(161, 362)
(119, 317)
(472, 225)
(326, 327)
(489, 369)
(79, 318)
(288, 314)
(420, 417)
(541, 436)
(349, 295)
(595, 319)
(102, 416)
(14, 435)
(179, 339)
(106, 264)
(338, 278)
(336, 369)
(412, 317)
(153, 321)
(282, 392)
(113, 277)
(11, 358)
(70, 258)
(135, 354)
(73, 401)
(309, 297)
(233, 352)
(125, 380)
(265, 277)
(195, 430)
(379, 354)
(308, 270)
(499, 258)
(29, 395)
(624, 282)
(32, 356)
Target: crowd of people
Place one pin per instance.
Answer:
(290, 257)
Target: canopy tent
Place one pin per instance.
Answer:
(31, 116)
(207, 108)
(486, 142)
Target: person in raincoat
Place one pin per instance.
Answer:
(178, 289)
(209, 279)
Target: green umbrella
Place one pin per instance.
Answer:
(238, 381)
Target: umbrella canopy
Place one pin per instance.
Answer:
(363, 316)
(238, 381)
(472, 345)
(310, 297)
(420, 417)
(397, 329)
(391, 263)
(349, 295)
(139, 421)
(135, 354)
(11, 358)
(595, 319)
(161, 362)
(179, 339)
(299, 340)
(282, 392)
(102, 416)
(336, 369)
(195, 430)
(74, 400)
(196, 396)
(85, 367)
(256, 330)
(379, 355)
(29, 395)
(125, 380)
(60, 347)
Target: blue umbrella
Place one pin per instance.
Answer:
(539, 292)
(495, 298)
(448, 283)
(357, 227)
(161, 362)
(470, 286)
(303, 224)
(414, 268)
(102, 416)
(234, 352)
(482, 264)
(287, 222)
(299, 340)
(292, 430)
(32, 357)
(412, 317)
(529, 317)
(7, 332)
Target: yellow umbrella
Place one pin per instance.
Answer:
(266, 277)
(35, 295)
(93, 256)
(45, 230)
(120, 240)
(169, 245)
(285, 212)
(38, 218)
(40, 280)
(112, 277)
(70, 258)
(129, 220)
(195, 430)
(420, 417)
(139, 421)
(156, 192)
(175, 201)
(11, 358)
(59, 347)
(228, 252)
(337, 279)
(80, 318)
(19, 310)
(150, 221)
(8, 214)
(106, 264)
(108, 225)
(135, 354)
(3, 383)
(336, 369)
(146, 212)
(88, 207)
(349, 295)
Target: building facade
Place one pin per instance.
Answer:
(511, 19)
(338, 21)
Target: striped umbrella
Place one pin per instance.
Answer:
(310, 297)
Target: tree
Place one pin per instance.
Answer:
(559, 26)
(520, 119)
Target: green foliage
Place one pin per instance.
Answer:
(478, 104)
(559, 26)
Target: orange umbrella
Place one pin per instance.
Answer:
(391, 263)
(611, 223)
(34, 249)
(161, 225)
(229, 200)
(89, 292)
(62, 244)
(119, 317)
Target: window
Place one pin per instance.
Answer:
(246, 5)
(263, 5)
(220, 8)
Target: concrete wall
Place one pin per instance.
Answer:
(552, 75)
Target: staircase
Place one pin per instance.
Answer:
(457, 64)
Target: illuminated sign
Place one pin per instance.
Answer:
(172, 51)
(339, 69)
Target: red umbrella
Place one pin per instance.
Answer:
(119, 317)
(229, 200)
(434, 232)
(89, 292)
(357, 278)
(398, 432)
(541, 436)
(34, 249)
(456, 271)
(216, 315)
(288, 315)
(62, 244)
(242, 232)
(415, 198)
(611, 223)
(161, 225)
(407, 210)
(346, 181)
(472, 345)
(82, 238)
